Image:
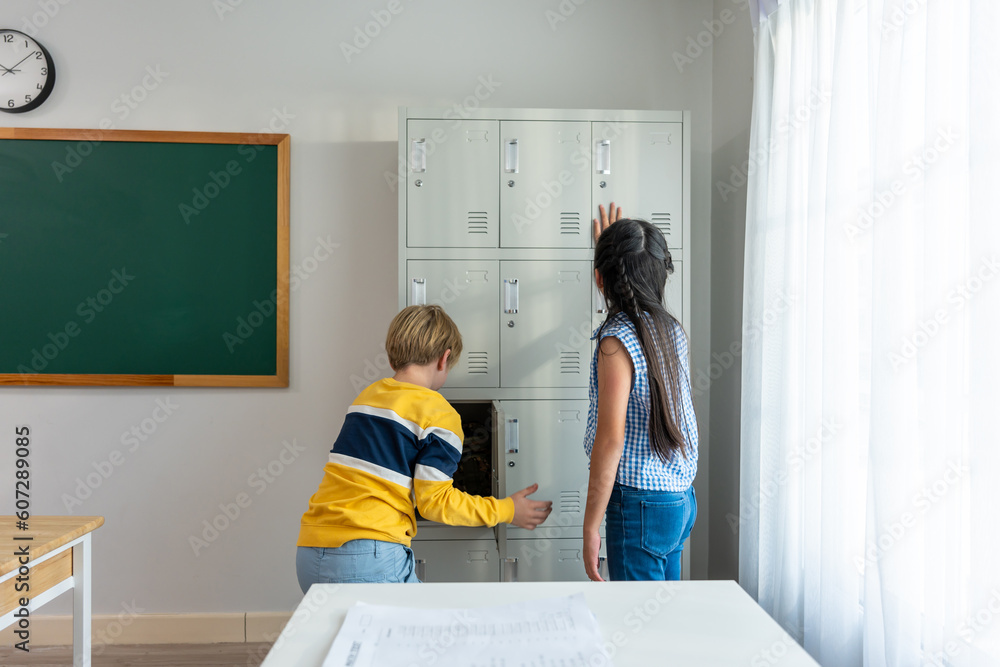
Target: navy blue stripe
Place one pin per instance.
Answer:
(438, 453)
(377, 440)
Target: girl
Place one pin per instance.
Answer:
(642, 437)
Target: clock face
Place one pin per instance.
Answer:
(26, 72)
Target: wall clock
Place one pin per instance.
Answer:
(26, 72)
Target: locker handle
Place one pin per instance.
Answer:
(602, 305)
(421, 569)
(510, 569)
(418, 155)
(510, 295)
(510, 157)
(512, 439)
(603, 161)
(418, 292)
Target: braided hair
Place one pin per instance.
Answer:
(634, 262)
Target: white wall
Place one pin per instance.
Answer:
(732, 96)
(229, 72)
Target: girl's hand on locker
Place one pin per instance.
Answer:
(591, 554)
(529, 513)
(613, 215)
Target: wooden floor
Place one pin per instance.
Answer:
(157, 655)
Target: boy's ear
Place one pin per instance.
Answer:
(442, 363)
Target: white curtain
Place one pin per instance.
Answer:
(870, 484)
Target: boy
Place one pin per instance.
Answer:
(400, 444)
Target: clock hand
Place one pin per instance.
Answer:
(12, 69)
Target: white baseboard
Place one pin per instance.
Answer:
(156, 629)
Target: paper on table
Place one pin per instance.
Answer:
(554, 632)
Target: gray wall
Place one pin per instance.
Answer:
(732, 95)
(282, 64)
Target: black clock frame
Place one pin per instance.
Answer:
(49, 84)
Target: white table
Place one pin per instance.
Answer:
(59, 552)
(696, 623)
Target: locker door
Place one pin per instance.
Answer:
(457, 560)
(639, 166)
(544, 194)
(468, 292)
(545, 307)
(548, 560)
(451, 187)
(544, 443)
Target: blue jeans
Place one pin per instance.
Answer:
(356, 562)
(646, 532)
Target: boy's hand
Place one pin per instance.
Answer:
(529, 513)
(613, 215)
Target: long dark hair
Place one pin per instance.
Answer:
(633, 260)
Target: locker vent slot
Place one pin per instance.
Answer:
(569, 501)
(569, 223)
(569, 363)
(478, 363)
(478, 222)
(662, 222)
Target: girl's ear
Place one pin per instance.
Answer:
(599, 280)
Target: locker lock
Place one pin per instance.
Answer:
(510, 184)
(510, 323)
(604, 184)
(419, 182)
(510, 464)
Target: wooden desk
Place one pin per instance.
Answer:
(59, 551)
(696, 623)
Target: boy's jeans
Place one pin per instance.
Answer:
(356, 562)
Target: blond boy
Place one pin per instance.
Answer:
(399, 447)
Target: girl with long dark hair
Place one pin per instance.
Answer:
(642, 437)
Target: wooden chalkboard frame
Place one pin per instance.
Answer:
(282, 142)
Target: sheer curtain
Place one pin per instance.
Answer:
(870, 483)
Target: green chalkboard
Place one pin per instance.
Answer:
(143, 258)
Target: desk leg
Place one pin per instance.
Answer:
(81, 603)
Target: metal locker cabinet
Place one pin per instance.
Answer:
(457, 560)
(544, 443)
(544, 307)
(544, 192)
(451, 185)
(464, 288)
(640, 165)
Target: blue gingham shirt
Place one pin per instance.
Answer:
(639, 466)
